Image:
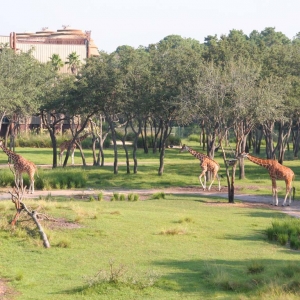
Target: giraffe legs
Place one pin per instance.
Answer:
(203, 185)
(72, 156)
(203, 174)
(60, 157)
(214, 177)
(31, 186)
(274, 193)
(288, 193)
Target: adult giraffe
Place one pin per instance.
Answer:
(276, 171)
(21, 165)
(206, 164)
(65, 145)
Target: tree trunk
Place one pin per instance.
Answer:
(135, 142)
(126, 149)
(54, 148)
(165, 135)
(230, 179)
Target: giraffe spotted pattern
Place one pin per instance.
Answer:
(21, 165)
(206, 164)
(276, 172)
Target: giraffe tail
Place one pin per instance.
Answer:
(37, 173)
(294, 193)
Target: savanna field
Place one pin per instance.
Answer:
(126, 245)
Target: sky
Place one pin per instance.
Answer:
(137, 23)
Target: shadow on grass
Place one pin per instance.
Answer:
(210, 277)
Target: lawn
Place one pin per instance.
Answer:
(180, 169)
(173, 248)
(177, 247)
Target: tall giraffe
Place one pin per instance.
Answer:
(21, 165)
(65, 145)
(276, 171)
(206, 164)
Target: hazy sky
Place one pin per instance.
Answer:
(141, 22)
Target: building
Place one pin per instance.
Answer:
(44, 44)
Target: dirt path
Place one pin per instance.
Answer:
(293, 210)
(246, 200)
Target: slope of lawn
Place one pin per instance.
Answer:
(174, 247)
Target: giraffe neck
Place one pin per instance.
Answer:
(259, 161)
(198, 155)
(9, 153)
(81, 138)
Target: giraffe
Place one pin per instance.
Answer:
(21, 165)
(65, 145)
(276, 171)
(206, 164)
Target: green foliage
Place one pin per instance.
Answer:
(62, 179)
(255, 267)
(130, 197)
(173, 141)
(100, 196)
(194, 138)
(118, 277)
(91, 199)
(159, 195)
(284, 232)
(116, 196)
(225, 264)
(63, 243)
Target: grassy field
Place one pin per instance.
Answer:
(173, 248)
(177, 247)
(181, 169)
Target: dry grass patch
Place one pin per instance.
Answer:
(173, 231)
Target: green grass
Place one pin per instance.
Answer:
(173, 248)
(180, 169)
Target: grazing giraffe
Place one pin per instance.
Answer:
(206, 164)
(65, 145)
(21, 165)
(276, 171)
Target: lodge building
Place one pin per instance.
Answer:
(44, 44)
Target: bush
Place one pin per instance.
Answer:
(194, 138)
(285, 231)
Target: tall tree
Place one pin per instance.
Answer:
(175, 62)
(22, 80)
(56, 62)
(73, 60)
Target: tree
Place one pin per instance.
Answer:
(56, 62)
(74, 62)
(22, 80)
(175, 62)
(54, 108)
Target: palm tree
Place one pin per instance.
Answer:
(56, 62)
(73, 61)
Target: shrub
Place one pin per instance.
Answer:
(116, 196)
(130, 197)
(255, 268)
(173, 141)
(194, 138)
(63, 244)
(285, 231)
(100, 196)
(295, 242)
(159, 195)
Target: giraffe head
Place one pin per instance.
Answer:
(243, 155)
(1, 143)
(184, 148)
